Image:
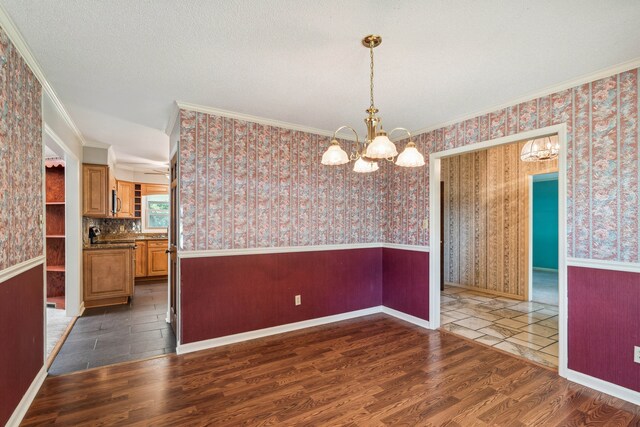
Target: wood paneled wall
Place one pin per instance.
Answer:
(486, 214)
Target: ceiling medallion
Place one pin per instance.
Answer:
(377, 145)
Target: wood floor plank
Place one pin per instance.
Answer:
(374, 370)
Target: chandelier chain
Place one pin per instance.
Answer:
(371, 78)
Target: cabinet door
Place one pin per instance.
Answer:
(107, 273)
(95, 201)
(141, 259)
(148, 189)
(157, 258)
(126, 199)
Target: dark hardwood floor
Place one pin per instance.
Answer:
(369, 371)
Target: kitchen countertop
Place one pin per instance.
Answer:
(119, 245)
(119, 241)
(133, 236)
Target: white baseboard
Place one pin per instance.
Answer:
(260, 333)
(604, 386)
(406, 317)
(27, 399)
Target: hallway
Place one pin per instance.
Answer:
(109, 335)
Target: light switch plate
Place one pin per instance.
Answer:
(636, 354)
(298, 300)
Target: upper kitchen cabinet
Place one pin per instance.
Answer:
(126, 200)
(149, 189)
(98, 184)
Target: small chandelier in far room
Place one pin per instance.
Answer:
(540, 149)
(377, 145)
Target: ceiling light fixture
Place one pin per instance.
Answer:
(377, 145)
(539, 150)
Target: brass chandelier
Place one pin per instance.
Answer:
(377, 145)
(539, 150)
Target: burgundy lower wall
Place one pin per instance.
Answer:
(604, 324)
(232, 294)
(405, 278)
(22, 351)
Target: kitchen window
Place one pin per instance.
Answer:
(155, 213)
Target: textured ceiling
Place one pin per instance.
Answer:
(119, 65)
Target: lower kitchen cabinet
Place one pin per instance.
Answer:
(108, 276)
(141, 259)
(151, 258)
(157, 258)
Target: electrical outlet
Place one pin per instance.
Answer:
(636, 354)
(425, 223)
(122, 228)
(298, 300)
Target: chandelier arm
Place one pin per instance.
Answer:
(358, 148)
(406, 130)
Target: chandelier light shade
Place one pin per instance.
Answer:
(377, 145)
(410, 157)
(335, 155)
(381, 147)
(539, 150)
(364, 166)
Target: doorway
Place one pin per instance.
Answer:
(543, 279)
(173, 245)
(435, 297)
(58, 322)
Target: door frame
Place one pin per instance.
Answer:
(72, 226)
(173, 278)
(434, 226)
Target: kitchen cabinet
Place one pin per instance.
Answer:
(148, 189)
(141, 258)
(157, 258)
(97, 185)
(125, 200)
(151, 258)
(108, 276)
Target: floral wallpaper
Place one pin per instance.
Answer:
(21, 155)
(248, 185)
(602, 165)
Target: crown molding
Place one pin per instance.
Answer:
(255, 119)
(21, 45)
(586, 78)
(173, 118)
(51, 133)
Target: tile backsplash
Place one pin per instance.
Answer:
(110, 226)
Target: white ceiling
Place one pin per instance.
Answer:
(119, 65)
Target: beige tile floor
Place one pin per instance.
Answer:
(526, 329)
(57, 323)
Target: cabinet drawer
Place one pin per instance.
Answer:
(158, 243)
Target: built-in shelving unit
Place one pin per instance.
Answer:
(55, 233)
(137, 210)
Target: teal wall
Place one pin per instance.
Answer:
(545, 224)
